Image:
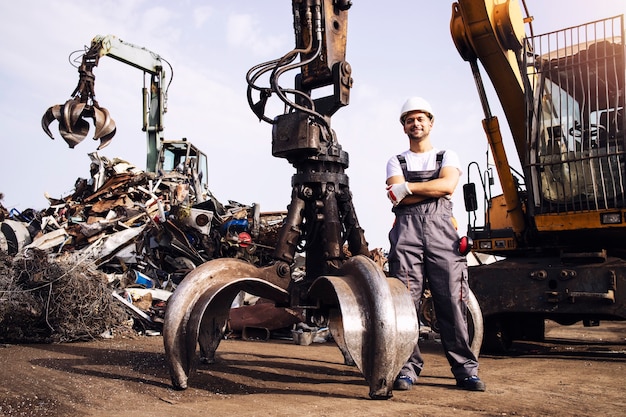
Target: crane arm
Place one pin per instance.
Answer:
(492, 31)
(133, 55)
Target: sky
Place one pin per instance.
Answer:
(396, 51)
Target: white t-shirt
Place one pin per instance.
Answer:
(426, 161)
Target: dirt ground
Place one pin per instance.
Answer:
(577, 372)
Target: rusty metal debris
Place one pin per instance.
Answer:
(124, 236)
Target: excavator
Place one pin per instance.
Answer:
(170, 157)
(557, 227)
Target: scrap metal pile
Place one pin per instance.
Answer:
(115, 249)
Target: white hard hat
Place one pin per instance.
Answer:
(415, 104)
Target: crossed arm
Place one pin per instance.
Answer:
(439, 187)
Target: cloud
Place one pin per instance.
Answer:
(243, 32)
(157, 20)
(201, 15)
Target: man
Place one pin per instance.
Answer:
(424, 242)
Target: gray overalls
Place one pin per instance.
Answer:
(424, 243)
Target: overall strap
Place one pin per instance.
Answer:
(405, 170)
(440, 158)
(402, 161)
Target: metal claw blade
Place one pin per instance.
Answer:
(198, 310)
(106, 139)
(71, 114)
(76, 135)
(72, 126)
(105, 126)
(374, 323)
(53, 113)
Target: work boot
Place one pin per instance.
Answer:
(403, 383)
(471, 383)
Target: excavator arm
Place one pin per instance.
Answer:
(83, 104)
(133, 55)
(492, 32)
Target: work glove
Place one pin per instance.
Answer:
(397, 192)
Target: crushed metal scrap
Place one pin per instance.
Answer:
(125, 232)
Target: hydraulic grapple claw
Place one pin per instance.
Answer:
(71, 115)
(72, 124)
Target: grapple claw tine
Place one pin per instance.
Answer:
(105, 126)
(75, 136)
(77, 113)
(106, 139)
(98, 116)
(69, 137)
(53, 113)
(64, 121)
(73, 113)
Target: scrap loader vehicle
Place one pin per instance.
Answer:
(557, 228)
(165, 156)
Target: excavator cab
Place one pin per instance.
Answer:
(577, 151)
(181, 156)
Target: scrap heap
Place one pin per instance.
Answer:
(125, 232)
